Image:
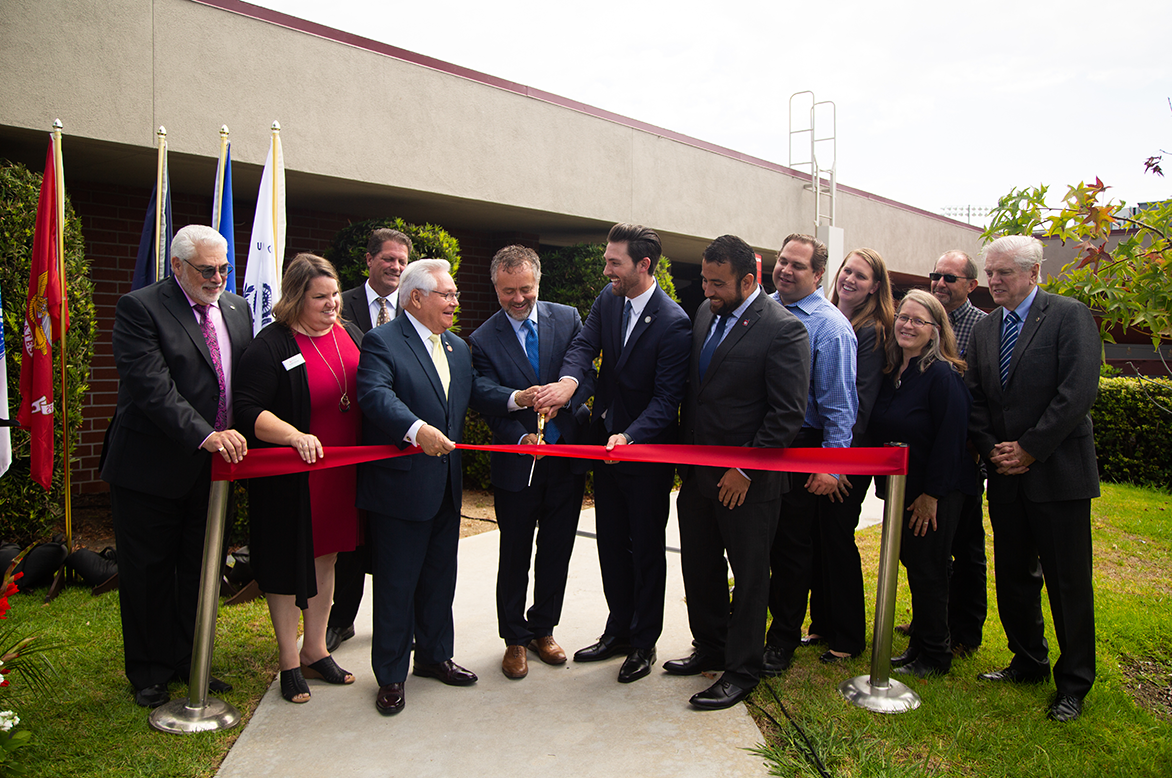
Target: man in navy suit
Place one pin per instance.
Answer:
(521, 345)
(415, 383)
(368, 306)
(645, 340)
(174, 414)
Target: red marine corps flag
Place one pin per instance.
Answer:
(42, 326)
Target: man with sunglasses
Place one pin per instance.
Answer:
(174, 343)
(953, 280)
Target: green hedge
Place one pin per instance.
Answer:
(28, 512)
(1133, 431)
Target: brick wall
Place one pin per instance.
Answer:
(111, 221)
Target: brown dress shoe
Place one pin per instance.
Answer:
(548, 649)
(390, 699)
(515, 665)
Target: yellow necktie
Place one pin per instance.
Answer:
(441, 361)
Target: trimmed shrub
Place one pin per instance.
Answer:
(28, 512)
(1133, 426)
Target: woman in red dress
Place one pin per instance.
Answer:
(294, 387)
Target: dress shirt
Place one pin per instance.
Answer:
(736, 315)
(963, 319)
(373, 306)
(637, 306)
(519, 327)
(833, 403)
(1021, 310)
(424, 335)
(225, 350)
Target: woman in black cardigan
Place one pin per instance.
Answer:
(294, 387)
(924, 403)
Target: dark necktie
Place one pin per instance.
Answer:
(626, 321)
(1008, 341)
(208, 328)
(531, 351)
(710, 346)
(384, 313)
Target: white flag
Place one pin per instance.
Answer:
(266, 250)
(5, 411)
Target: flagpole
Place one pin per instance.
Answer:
(277, 249)
(160, 205)
(218, 200)
(59, 184)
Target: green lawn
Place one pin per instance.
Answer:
(89, 725)
(967, 727)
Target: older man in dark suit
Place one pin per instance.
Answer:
(415, 383)
(175, 343)
(1034, 374)
(644, 338)
(747, 386)
(368, 306)
(520, 345)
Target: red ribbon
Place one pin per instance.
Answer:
(892, 460)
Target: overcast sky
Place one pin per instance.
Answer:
(938, 104)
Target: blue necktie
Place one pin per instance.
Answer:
(531, 347)
(1008, 341)
(626, 321)
(531, 351)
(711, 344)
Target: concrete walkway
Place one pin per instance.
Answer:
(569, 720)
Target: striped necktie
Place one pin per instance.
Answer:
(1008, 341)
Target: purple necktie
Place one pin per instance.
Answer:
(209, 334)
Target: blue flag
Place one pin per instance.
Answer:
(145, 271)
(222, 214)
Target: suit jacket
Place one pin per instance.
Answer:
(356, 309)
(498, 355)
(1046, 403)
(642, 382)
(753, 393)
(398, 384)
(167, 392)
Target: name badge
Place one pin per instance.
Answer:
(294, 361)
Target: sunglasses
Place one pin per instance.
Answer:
(948, 277)
(208, 272)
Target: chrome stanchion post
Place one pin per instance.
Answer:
(199, 712)
(877, 691)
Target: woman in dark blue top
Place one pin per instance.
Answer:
(924, 403)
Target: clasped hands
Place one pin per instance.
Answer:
(1010, 458)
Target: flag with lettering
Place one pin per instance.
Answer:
(42, 326)
(262, 277)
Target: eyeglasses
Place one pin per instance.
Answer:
(949, 277)
(208, 272)
(903, 318)
(451, 297)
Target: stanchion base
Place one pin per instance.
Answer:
(895, 698)
(175, 717)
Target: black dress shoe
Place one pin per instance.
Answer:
(920, 668)
(720, 695)
(638, 665)
(152, 696)
(829, 657)
(776, 660)
(390, 699)
(1013, 675)
(1066, 707)
(695, 664)
(606, 647)
(815, 640)
(906, 658)
(447, 671)
(335, 636)
(215, 685)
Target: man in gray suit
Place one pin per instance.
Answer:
(375, 302)
(1034, 373)
(747, 386)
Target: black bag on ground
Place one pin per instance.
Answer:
(39, 565)
(94, 568)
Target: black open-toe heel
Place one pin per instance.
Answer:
(327, 670)
(293, 685)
